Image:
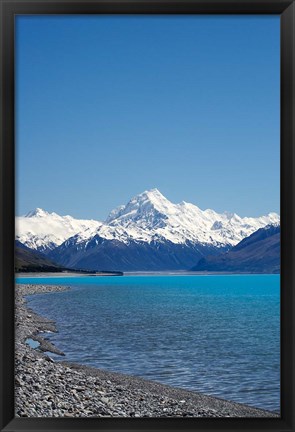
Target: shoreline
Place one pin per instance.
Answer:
(65, 274)
(135, 273)
(46, 388)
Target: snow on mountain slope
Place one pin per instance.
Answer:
(258, 253)
(44, 231)
(148, 217)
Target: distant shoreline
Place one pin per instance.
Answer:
(192, 273)
(136, 273)
(45, 388)
(65, 274)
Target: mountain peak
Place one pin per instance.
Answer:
(38, 212)
(151, 198)
(154, 191)
(144, 211)
(151, 194)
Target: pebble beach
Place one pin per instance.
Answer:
(48, 388)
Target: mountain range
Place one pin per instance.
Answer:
(148, 233)
(258, 253)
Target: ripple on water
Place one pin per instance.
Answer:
(219, 334)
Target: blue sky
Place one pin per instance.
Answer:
(109, 106)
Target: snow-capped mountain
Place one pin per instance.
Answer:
(45, 231)
(149, 232)
(150, 216)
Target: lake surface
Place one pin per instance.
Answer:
(219, 335)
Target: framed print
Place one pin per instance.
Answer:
(147, 215)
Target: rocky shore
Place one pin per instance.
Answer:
(46, 388)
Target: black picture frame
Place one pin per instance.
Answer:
(286, 10)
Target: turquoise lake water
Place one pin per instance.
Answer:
(219, 335)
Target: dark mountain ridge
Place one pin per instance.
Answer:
(28, 260)
(132, 256)
(258, 253)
